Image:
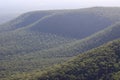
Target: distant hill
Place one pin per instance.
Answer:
(98, 64)
(79, 46)
(7, 17)
(27, 33)
(39, 39)
(78, 23)
(39, 59)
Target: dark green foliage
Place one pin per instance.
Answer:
(116, 76)
(39, 39)
(44, 57)
(21, 42)
(14, 46)
(97, 64)
(101, 63)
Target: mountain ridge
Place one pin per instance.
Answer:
(103, 60)
(70, 20)
(101, 63)
(36, 40)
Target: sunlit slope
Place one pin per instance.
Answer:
(42, 58)
(25, 42)
(39, 39)
(98, 64)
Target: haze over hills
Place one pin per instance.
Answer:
(7, 17)
(67, 23)
(38, 39)
(78, 46)
(25, 34)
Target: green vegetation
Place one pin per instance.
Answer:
(101, 63)
(39, 39)
(13, 48)
(38, 59)
(116, 76)
(23, 42)
(98, 64)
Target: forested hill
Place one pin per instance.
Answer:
(38, 59)
(80, 46)
(78, 23)
(39, 39)
(67, 23)
(97, 64)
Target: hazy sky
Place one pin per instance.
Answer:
(29, 5)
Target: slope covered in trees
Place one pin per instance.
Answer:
(35, 40)
(100, 63)
(67, 23)
(26, 34)
(79, 46)
(23, 42)
(77, 23)
(41, 58)
(97, 64)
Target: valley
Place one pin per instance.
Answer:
(34, 42)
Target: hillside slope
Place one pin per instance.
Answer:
(23, 20)
(67, 23)
(26, 34)
(24, 42)
(40, 59)
(98, 64)
(25, 45)
(79, 46)
(78, 23)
